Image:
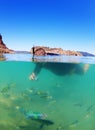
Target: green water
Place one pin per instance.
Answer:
(65, 92)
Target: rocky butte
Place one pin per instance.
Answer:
(4, 48)
(42, 50)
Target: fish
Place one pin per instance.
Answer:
(44, 122)
(74, 123)
(90, 107)
(78, 104)
(35, 115)
(38, 117)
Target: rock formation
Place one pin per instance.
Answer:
(3, 47)
(41, 50)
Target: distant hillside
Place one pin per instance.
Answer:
(83, 53)
(86, 53)
(22, 52)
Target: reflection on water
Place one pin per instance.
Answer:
(61, 98)
(2, 57)
(60, 58)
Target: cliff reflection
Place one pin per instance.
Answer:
(2, 57)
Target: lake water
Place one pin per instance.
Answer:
(60, 88)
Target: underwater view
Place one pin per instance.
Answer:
(47, 95)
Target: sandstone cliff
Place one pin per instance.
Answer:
(41, 50)
(3, 47)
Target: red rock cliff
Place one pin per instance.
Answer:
(3, 47)
(40, 50)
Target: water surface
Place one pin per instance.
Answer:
(63, 88)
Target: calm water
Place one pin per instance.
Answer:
(61, 88)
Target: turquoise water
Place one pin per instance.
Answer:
(63, 91)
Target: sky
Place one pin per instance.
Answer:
(68, 24)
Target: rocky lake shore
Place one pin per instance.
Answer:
(42, 50)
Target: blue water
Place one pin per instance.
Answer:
(60, 87)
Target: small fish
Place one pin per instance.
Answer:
(5, 89)
(78, 104)
(90, 107)
(35, 115)
(22, 127)
(39, 117)
(74, 123)
(44, 122)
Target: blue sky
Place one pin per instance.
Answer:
(69, 24)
